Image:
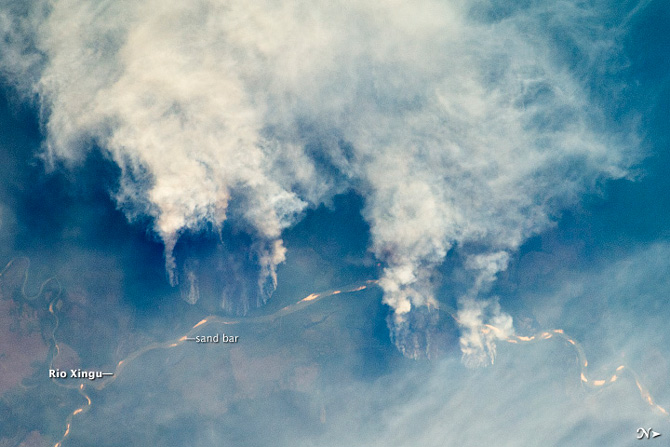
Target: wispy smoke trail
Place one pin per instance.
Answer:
(454, 127)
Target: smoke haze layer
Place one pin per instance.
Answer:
(457, 126)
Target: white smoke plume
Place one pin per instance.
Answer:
(456, 127)
(482, 322)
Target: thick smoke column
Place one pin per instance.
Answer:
(455, 127)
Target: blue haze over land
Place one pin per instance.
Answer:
(365, 164)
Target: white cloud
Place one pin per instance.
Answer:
(454, 129)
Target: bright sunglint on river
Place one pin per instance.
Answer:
(329, 223)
